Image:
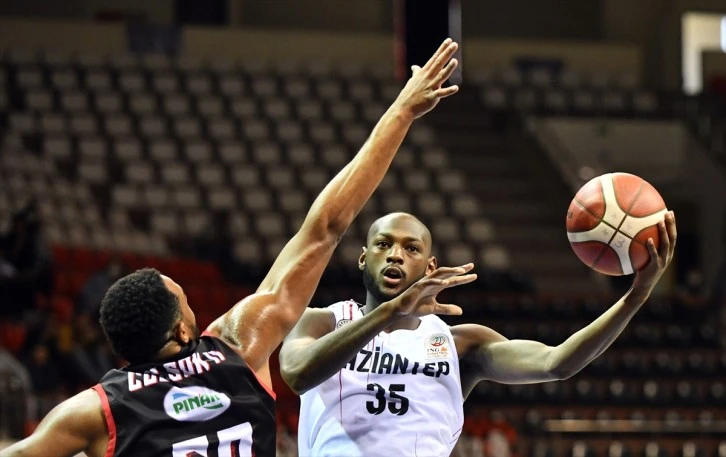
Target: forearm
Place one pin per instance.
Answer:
(587, 344)
(344, 197)
(304, 367)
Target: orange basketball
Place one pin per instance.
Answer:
(610, 220)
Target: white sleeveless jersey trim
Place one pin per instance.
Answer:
(401, 395)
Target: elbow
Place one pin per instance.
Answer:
(330, 219)
(294, 380)
(326, 230)
(336, 229)
(559, 369)
(333, 228)
(561, 373)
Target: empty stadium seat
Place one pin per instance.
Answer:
(186, 198)
(210, 175)
(257, 200)
(267, 154)
(176, 105)
(581, 449)
(232, 153)
(653, 449)
(162, 151)
(222, 199)
(691, 449)
(618, 449)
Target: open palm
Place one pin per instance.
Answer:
(420, 298)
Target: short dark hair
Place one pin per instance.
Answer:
(137, 313)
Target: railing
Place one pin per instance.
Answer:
(634, 426)
(562, 156)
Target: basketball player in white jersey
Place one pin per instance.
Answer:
(390, 378)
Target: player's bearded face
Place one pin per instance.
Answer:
(372, 281)
(195, 330)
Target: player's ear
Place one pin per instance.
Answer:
(182, 332)
(362, 259)
(432, 265)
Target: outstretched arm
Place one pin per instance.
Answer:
(257, 324)
(76, 425)
(313, 352)
(488, 355)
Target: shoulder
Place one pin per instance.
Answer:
(88, 401)
(83, 413)
(314, 323)
(471, 336)
(322, 314)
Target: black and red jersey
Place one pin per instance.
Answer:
(205, 401)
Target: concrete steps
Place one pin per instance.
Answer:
(516, 191)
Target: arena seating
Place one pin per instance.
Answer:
(165, 146)
(129, 155)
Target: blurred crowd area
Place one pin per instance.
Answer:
(203, 166)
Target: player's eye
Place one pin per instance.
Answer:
(414, 249)
(382, 244)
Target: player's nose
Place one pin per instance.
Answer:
(395, 254)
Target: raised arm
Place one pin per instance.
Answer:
(486, 354)
(313, 351)
(257, 324)
(76, 425)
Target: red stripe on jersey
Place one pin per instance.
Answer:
(264, 385)
(350, 310)
(110, 423)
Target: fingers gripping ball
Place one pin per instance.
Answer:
(610, 220)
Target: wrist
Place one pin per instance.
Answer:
(400, 111)
(641, 289)
(391, 310)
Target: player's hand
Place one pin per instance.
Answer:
(420, 298)
(423, 91)
(661, 257)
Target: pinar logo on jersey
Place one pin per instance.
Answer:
(194, 404)
(437, 346)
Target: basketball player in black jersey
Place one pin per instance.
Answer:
(186, 395)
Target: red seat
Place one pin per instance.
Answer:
(153, 262)
(204, 318)
(12, 336)
(77, 281)
(61, 255)
(208, 272)
(102, 259)
(237, 293)
(62, 308)
(131, 260)
(196, 295)
(85, 260)
(176, 267)
(216, 300)
(62, 282)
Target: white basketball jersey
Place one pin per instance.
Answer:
(401, 395)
